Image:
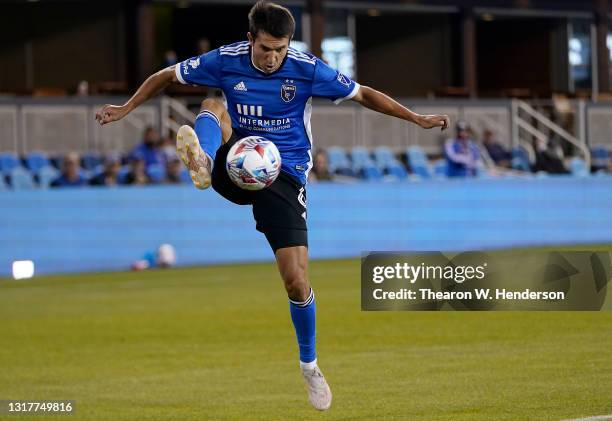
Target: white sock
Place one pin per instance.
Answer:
(308, 366)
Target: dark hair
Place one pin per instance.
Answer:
(271, 18)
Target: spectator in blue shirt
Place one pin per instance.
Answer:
(462, 154)
(71, 176)
(149, 150)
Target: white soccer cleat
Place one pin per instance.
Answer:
(319, 393)
(195, 159)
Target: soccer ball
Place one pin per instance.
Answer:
(253, 163)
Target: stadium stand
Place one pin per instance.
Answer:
(46, 175)
(8, 162)
(21, 179)
(418, 162)
(156, 173)
(356, 163)
(36, 161)
(364, 165)
(520, 160)
(91, 161)
(601, 158)
(389, 164)
(578, 167)
(339, 162)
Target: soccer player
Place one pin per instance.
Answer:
(268, 88)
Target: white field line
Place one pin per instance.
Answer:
(593, 418)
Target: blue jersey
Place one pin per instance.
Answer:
(274, 105)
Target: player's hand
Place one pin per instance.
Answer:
(110, 113)
(434, 120)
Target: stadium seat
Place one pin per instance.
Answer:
(3, 184)
(8, 162)
(338, 161)
(418, 162)
(363, 164)
(599, 158)
(35, 161)
(440, 168)
(520, 160)
(21, 179)
(482, 172)
(578, 168)
(91, 161)
(87, 174)
(387, 162)
(56, 161)
(46, 175)
(123, 173)
(157, 173)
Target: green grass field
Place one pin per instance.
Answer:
(217, 343)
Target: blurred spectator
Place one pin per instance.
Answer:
(149, 150)
(320, 168)
(496, 151)
(174, 168)
(110, 175)
(462, 154)
(70, 176)
(203, 46)
(83, 88)
(137, 174)
(546, 158)
(170, 58)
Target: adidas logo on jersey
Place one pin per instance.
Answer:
(240, 87)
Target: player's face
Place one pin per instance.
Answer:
(268, 52)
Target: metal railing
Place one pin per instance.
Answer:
(521, 107)
(61, 125)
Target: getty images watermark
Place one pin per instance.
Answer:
(503, 280)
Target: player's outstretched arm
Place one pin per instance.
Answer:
(377, 101)
(150, 88)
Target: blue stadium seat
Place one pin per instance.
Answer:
(91, 161)
(21, 179)
(35, 161)
(3, 184)
(363, 164)
(418, 162)
(387, 162)
(338, 161)
(578, 168)
(123, 173)
(157, 173)
(87, 174)
(8, 162)
(440, 168)
(482, 172)
(520, 160)
(600, 157)
(46, 175)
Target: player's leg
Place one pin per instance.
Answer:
(280, 212)
(197, 147)
(293, 266)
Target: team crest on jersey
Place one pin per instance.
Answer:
(343, 79)
(288, 91)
